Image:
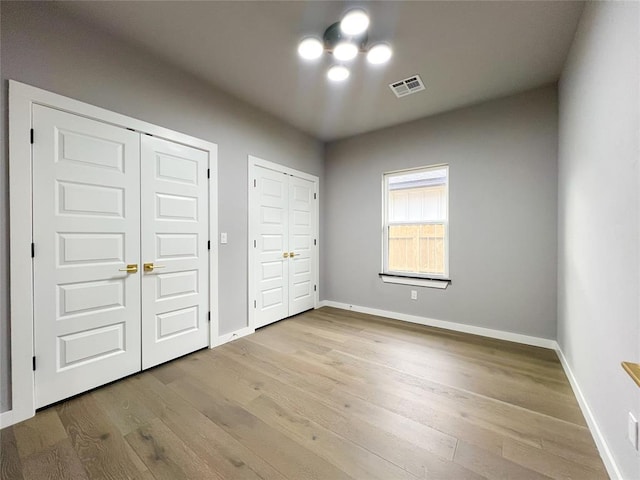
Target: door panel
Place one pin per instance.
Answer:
(301, 236)
(175, 230)
(270, 221)
(86, 227)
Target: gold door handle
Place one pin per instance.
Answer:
(130, 268)
(149, 267)
(291, 254)
(285, 255)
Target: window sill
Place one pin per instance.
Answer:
(415, 281)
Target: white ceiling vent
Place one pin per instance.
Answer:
(407, 86)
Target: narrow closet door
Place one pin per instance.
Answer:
(301, 245)
(270, 218)
(86, 229)
(175, 273)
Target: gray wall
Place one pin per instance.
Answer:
(599, 150)
(44, 48)
(502, 158)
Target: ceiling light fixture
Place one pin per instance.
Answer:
(354, 22)
(310, 48)
(338, 73)
(380, 53)
(344, 40)
(345, 51)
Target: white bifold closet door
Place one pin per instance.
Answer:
(98, 315)
(284, 225)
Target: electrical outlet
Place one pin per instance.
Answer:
(223, 238)
(414, 294)
(632, 430)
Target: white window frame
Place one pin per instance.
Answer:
(406, 278)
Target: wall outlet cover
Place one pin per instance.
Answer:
(414, 294)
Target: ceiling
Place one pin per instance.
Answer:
(465, 51)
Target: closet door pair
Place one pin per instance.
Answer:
(120, 235)
(285, 255)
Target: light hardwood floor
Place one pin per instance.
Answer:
(328, 394)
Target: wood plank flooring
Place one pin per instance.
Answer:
(328, 394)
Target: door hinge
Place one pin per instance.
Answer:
(315, 288)
(255, 304)
(254, 182)
(33, 250)
(315, 242)
(209, 316)
(31, 136)
(254, 244)
(208, 244)
(315, 196)
(208, 173)
(33, 361)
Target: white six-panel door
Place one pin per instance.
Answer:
(283, 227)
(174, 250)
(301, 245)
(106, 202)
(86, 229)
(270, 218)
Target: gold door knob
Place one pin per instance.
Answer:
(285, 255)
(149, 267)
(291, 254)
(130, 268)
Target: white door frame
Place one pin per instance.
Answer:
(21, 99)
(258, 162)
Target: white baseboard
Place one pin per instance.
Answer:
(603, 448)
(457, 327)
(228, 337)
(6, 419)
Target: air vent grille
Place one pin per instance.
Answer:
(407, 86)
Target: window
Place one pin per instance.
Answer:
(415, 234)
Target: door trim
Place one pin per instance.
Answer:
(259, 162)
(22, 97)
